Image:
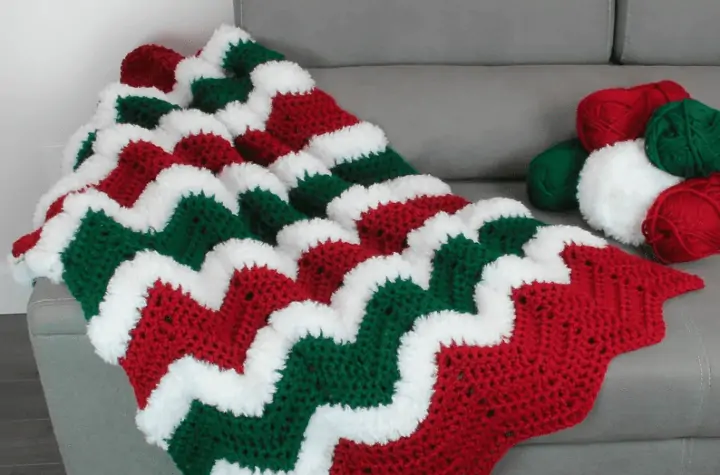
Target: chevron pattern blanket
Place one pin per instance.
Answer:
(287, 295)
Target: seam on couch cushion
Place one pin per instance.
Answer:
(622, 12)
(611, 28)
(705, 370)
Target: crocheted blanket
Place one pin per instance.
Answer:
(286, 294)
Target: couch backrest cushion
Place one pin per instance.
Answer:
(371, 32)
(463, 122)
(668, 32)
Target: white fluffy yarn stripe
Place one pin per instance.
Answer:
(349, 207)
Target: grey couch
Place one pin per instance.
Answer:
(468, 90)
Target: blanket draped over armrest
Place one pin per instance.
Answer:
(286, 294)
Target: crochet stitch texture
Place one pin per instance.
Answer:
(286, 294)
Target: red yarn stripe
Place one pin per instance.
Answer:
(150, 66)
(386, 228)
(207, 151)
(260, 147)
(297, 118)
(294, 120)
(139, 163)
(25, 243)
(321, 270)
(173, 325)
(528, 386)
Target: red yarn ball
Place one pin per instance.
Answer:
(683, 224)
(150, 66)
(613, 115)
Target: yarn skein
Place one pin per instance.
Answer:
(553, 175)
(683, 138)
(608, 116)
(617, 187)
(684, 222)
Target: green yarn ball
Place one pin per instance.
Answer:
(683, 139)
(553, 176)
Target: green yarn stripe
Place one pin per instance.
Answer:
(458, 268)
(374, 168)
(509, 235)
(266, 214)
(314, 193)
(358, 375)
(143, 111)
(198, 224)
(242, 57)
(213, 94)
(458, 265)
(86, 149)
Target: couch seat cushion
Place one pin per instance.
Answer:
(661, 392)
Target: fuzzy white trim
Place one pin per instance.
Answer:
(180, 124)
(19, 270)
(126, 294)
(348, 144)
(222, 39)
(550, 241)
(106, 112)
(239, 178)
(406, 188)
(112, 141)
(297, 166)
(617, 186)
(247, 394)
(73, 146)
(349, 207)
(282, 77)
(108, 145)
(92, 171)
(240, 118)
(477, 214)
(298, 238)
(152, 210)
(188, 71)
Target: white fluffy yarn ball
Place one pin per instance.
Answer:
(617, 186)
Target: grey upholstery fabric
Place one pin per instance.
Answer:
(347, 32)
(93, 411)
(488, 122)
(53, 311)
(661, 392)
(668, 32)
(661, 457)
